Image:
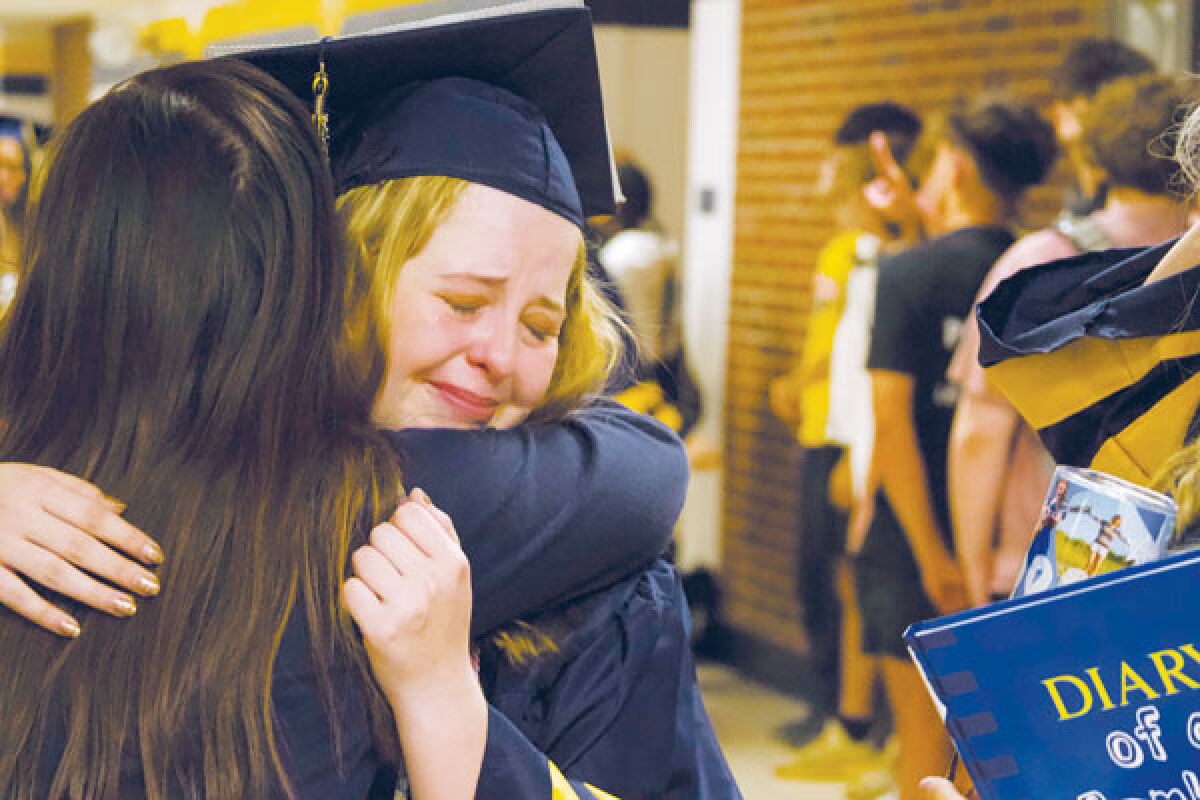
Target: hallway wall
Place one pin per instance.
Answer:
(804, 64)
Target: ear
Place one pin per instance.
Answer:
(962, 166)
(1066, 121)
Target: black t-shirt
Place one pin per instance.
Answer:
(922, 300)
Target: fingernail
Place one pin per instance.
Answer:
(152, 554)
(928, 783)
(117, 505)
(419, 495)
(124, 606)
(148, 585)
(68, 627)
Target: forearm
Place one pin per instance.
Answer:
(903, 479)
(548, 512)
(980, 444)
(864, 506)
(443, 729)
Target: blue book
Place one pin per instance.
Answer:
(1089, 691)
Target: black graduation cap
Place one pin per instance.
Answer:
(487, 96)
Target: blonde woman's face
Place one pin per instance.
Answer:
(475, 316)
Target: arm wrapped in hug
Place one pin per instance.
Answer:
(549, 512)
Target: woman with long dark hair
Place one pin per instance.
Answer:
(182, 265)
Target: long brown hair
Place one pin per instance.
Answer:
(188, 336)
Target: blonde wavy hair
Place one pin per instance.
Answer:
(391, 222)
(1180, 475)
(1187, 146)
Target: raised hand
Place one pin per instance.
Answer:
(411, 598)
(892, 193)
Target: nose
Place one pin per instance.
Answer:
(493, 348)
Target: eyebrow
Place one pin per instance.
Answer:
(492, 282)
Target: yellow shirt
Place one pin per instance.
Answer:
(834, 262)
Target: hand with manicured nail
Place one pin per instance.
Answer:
(411, 598)
(61, 533)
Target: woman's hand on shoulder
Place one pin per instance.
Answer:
(61, 533)
(411, 597)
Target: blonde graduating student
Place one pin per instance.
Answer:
(477, 263)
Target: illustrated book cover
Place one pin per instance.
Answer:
(1088, 691)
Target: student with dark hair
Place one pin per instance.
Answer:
(1089, 64)
(998, 470)
(832, 434)
(639, 196)
(898, 123)
(987, 154)
(181, 217)
(642, 263)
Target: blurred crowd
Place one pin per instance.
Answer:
(920, 483)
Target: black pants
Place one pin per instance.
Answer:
(822, 541)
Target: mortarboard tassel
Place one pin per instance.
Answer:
(320, 88)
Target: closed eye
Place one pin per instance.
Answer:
(543, 327)
(463, 304)
(542, 334)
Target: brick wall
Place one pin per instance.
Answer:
(804, 64)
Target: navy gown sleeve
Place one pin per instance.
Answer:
(615, 702)
(326, 752)
(514, 768)
(549, 512)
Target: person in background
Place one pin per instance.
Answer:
(14, 179)
(999, 472)
(1033, 328)
(987, 154)
(642, 264)
(843, 694)
(1089, 64)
